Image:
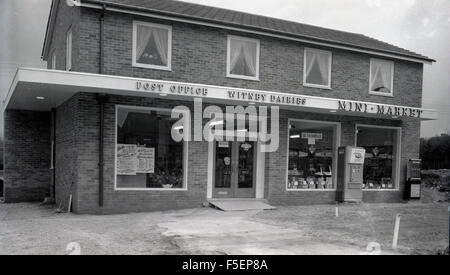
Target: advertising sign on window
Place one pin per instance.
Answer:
(132, 159)
(145, 160)
(357, 156)
(126, 159)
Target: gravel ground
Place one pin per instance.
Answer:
(36, 229)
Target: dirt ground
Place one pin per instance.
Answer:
(36, 229)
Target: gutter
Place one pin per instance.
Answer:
(96, 4)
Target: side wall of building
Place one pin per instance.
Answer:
(26, 155)
(66, 18)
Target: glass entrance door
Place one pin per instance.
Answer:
(234, 170)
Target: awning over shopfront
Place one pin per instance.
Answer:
(41, 90)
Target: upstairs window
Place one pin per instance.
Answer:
(152, 46)
(317, 68)
(69, 50)
(381, 77)
(243, 58)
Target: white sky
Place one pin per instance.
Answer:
(417, 25)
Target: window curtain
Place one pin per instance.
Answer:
(322, 62)
(160, 37)
(250, 57)
(323, 59)
(381, 76)
(243, 51)
(162, 43)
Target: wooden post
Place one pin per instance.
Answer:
(69, 206)
(396, 230)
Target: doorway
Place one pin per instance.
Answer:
(234, 169)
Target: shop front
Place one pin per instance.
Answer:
(146, 168)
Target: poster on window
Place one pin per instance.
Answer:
(357, 155)
(126, 159)
(145, 160)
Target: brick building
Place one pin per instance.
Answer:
(97, 124)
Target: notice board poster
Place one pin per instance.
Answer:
(145, 160)
(126, 159)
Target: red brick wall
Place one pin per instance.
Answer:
(77, 160)
(66, 146)
(27, 155)
(199, 56)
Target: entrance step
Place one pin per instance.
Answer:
(240, 204)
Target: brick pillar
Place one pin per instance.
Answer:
(26, 155)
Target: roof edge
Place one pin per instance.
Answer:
(49, 30)
(88, 3)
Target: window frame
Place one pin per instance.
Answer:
(258, 48)
(397, 148)
(330, 60)
(391, 94)
(169, 46)
(185, 152)
(337, 144)
(69, 48)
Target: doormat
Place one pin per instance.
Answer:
(240, 204)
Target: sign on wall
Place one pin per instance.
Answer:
(287, 99)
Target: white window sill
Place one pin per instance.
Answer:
(152, 67)
(243, 77)
(382, 190)
(380, 94)
(312, 190)
(151, 189)
(317, 86)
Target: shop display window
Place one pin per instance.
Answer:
(381, 157)
(311, 155)
(146, 154)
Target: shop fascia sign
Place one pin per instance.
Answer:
(379, 109)
(222, 93)
(263, 97)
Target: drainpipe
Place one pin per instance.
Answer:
(101, 99)
(102, 40)
(53, 153)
